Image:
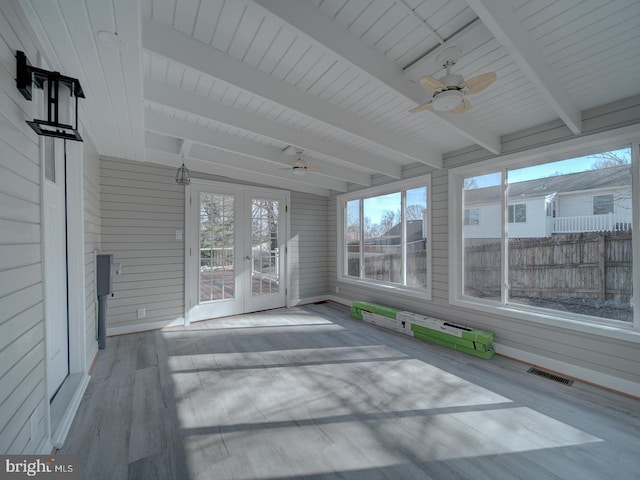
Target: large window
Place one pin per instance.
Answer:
(558, 240)
(384, 236)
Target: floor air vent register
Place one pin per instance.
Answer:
(550, 376)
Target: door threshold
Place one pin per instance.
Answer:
(64, 406)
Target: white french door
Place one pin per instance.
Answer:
(55, 263)
(236, 250)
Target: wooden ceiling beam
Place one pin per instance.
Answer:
(178, 99)
(311, 23)
(503, 22)
(178, 47)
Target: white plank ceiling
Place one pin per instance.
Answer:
(230, 84)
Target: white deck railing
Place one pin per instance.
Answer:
(592, 223)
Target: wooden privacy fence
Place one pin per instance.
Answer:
(578, 265)
(384, 262)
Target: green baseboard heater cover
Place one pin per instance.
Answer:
(455, 346)
(447, 334)
(430, 326)
(358, 307)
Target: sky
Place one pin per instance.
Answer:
(376, 206)
(562, 167)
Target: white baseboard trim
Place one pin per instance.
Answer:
(579, 373)
(340, 300)
(45, 447)
(320, 298)
(60, 435)
(303, 301)
(142, 327)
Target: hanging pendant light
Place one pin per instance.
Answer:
(182, 175)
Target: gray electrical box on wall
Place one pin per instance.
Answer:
(104, 281)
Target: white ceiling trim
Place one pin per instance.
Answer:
(474, 34)
(176, 98)
(207, 165)
(503, 22)
(249, 165)
(233, 144)
(45, 46)
(310, 22)
(185, 148)
(66, 34)
(423, 23)
(128, 16)
(178, 47)
(163, 143)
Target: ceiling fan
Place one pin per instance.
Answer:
(300, 167)
(449, 92)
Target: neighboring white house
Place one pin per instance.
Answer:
(594, 200)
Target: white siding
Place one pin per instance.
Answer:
(536, 220)
(141, 208)
(22, 370)
(556, 346)
(581, 204)
(488, 222)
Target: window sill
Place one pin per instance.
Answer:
(617, 332)
(424, 294)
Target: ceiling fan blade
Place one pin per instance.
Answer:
(479, 83)
(463, 107)
(431, 84)
(313, 168)
(420, 108)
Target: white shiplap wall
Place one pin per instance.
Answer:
(597, 359)
(308, 249)
(91, 166)
(141, 208)
(22, 366)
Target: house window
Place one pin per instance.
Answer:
(602, 204)
(384, 236)
(518, 213)
(566, 260)
(472, 216)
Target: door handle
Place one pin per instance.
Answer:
(247, 257)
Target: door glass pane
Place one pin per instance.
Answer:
(216, 247)
(382, 237)
(577, 259)
(49, 159)
(265, 253)
(416, 240)
(481, 232)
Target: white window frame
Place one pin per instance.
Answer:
(514, 205)
(611, 140)
(400, 186)
(593, 203)
(469, 217)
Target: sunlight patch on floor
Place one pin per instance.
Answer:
(289, 412)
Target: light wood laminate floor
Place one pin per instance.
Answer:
(310, 393)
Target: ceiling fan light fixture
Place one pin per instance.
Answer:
(447, 100)
(299, 170)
